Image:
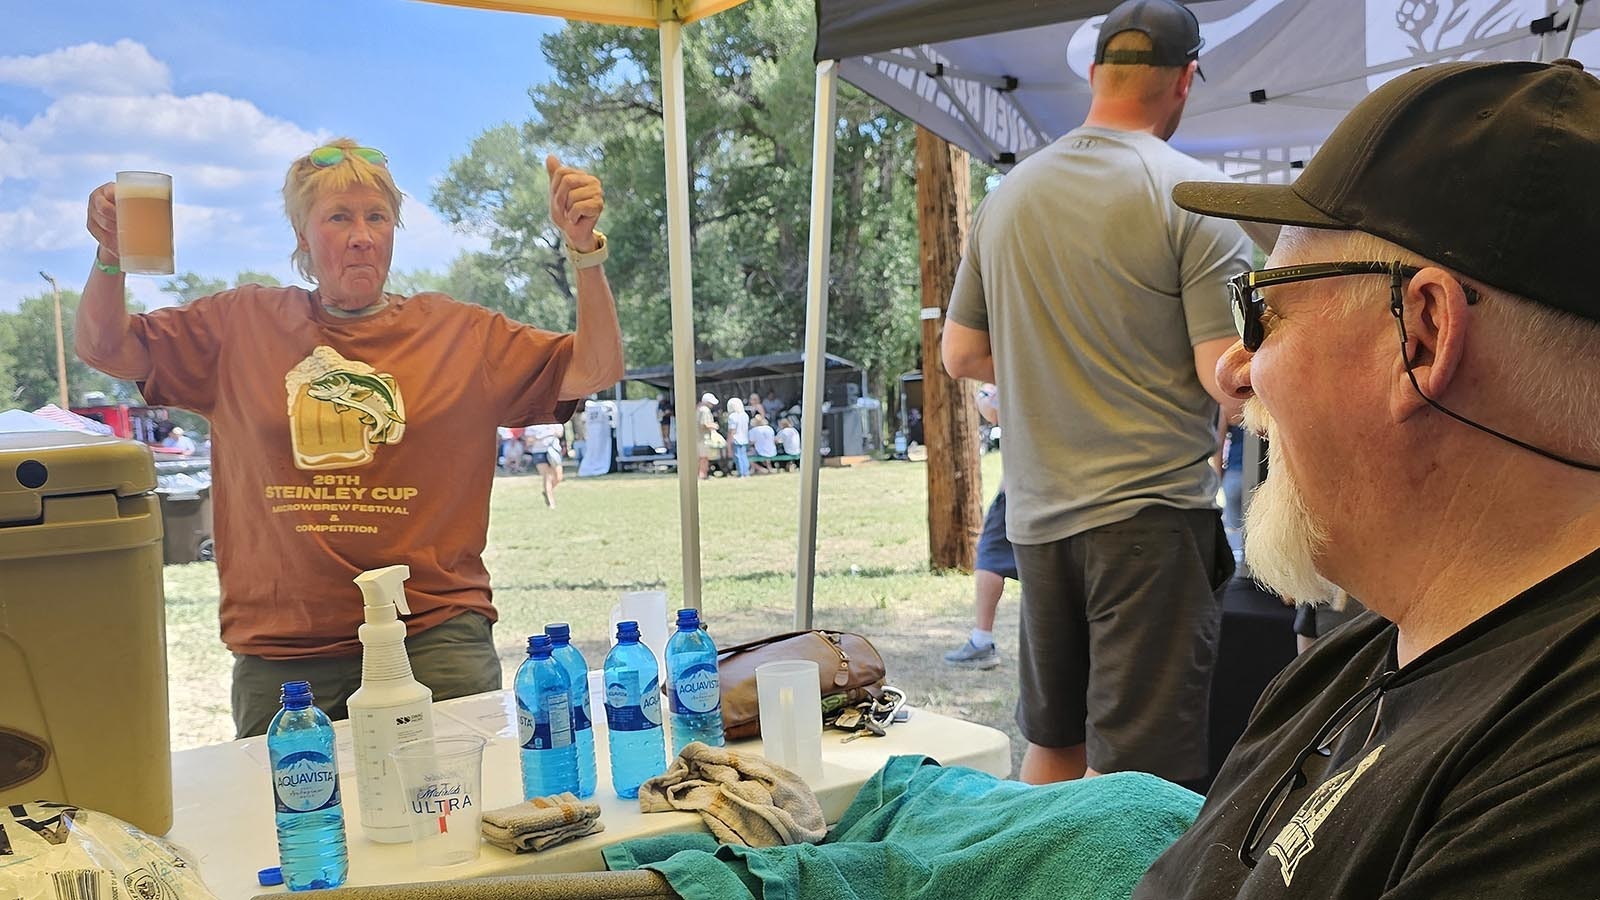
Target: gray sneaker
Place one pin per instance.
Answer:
(971, 656)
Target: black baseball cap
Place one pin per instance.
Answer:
(1173, 30)
(1489, 168)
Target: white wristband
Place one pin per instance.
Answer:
(595, 257)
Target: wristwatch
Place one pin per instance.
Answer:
(595, 257)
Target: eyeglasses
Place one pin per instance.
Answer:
(1249, 308)
(329, 155)
(1321, 745)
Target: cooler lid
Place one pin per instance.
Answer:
(39, 464)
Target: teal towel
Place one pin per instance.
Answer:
(918, 831)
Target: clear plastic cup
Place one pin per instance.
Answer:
(442, 781)
(789, 693)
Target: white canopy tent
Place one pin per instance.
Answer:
(1279, 73)
(1004, 77)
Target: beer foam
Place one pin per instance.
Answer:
(144, 192)
(321, 361)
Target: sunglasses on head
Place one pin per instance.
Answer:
(323, 157)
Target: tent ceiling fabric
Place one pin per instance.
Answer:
(1311, 59)
(644, 13)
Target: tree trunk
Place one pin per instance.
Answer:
(949, 411)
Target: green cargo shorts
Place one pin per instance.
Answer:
(455, 658)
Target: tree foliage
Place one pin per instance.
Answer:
(749, 84)
(32, 370)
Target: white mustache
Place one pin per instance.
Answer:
(1257, 419)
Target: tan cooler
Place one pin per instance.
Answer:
(83, 664)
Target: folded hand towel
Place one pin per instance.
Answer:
(541, 822)
(744, 798)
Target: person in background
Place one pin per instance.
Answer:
(1233, 488)
(664, 416)
(788, 437)
(764, 443)
(177, 440)
(579, 424)
(995, 563)
(510, 449)
(1100, 309)
(711, 440)
(1424, 360)
(545, 442)
(332, 395)
(772, 406)
(739, 436)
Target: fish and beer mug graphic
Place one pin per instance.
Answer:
(340, 411)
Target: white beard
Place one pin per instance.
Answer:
(1282, 537)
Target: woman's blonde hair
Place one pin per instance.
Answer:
(307, 181)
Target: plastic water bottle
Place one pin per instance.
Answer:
(544, 720)
(633, 712)
(305, 790)
(577, 669)
(694, 692)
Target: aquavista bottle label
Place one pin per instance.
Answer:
(697, 690)
(306, 781)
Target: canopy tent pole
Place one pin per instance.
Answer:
(816, 361)
(685, 390)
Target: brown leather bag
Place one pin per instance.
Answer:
(850, 670)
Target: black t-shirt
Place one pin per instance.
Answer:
(1480, 778)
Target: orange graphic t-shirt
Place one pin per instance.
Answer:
(341, 445)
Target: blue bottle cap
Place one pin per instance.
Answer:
(628, 631)
(688, 620)
(539, 645)
(296, 694)
(560, 632)
(270, 876)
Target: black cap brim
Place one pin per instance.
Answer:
(1275, 204)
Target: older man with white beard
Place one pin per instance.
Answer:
(1423, 352)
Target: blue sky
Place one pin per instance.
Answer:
(224, 95)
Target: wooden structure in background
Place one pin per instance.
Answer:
(949, 410)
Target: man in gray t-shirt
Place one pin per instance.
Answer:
(1100, 309)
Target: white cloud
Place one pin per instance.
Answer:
(429, 242)
(125, 68)
(43, 225)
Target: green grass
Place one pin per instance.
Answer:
(619, 533)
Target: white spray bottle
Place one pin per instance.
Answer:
(391, 706)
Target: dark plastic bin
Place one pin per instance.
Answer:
(186, 524)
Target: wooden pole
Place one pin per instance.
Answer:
(949, 411)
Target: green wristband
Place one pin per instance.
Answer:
(108, 269)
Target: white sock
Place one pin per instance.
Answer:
(981, 638)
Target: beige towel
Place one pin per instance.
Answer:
(541, 822)
(744, 798)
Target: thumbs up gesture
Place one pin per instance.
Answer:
(576, 200)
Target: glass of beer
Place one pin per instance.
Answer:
(144, 223)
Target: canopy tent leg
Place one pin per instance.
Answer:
(685, 390)
(816, 361)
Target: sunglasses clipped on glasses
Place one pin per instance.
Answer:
(324, 157)
(1249, 308)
